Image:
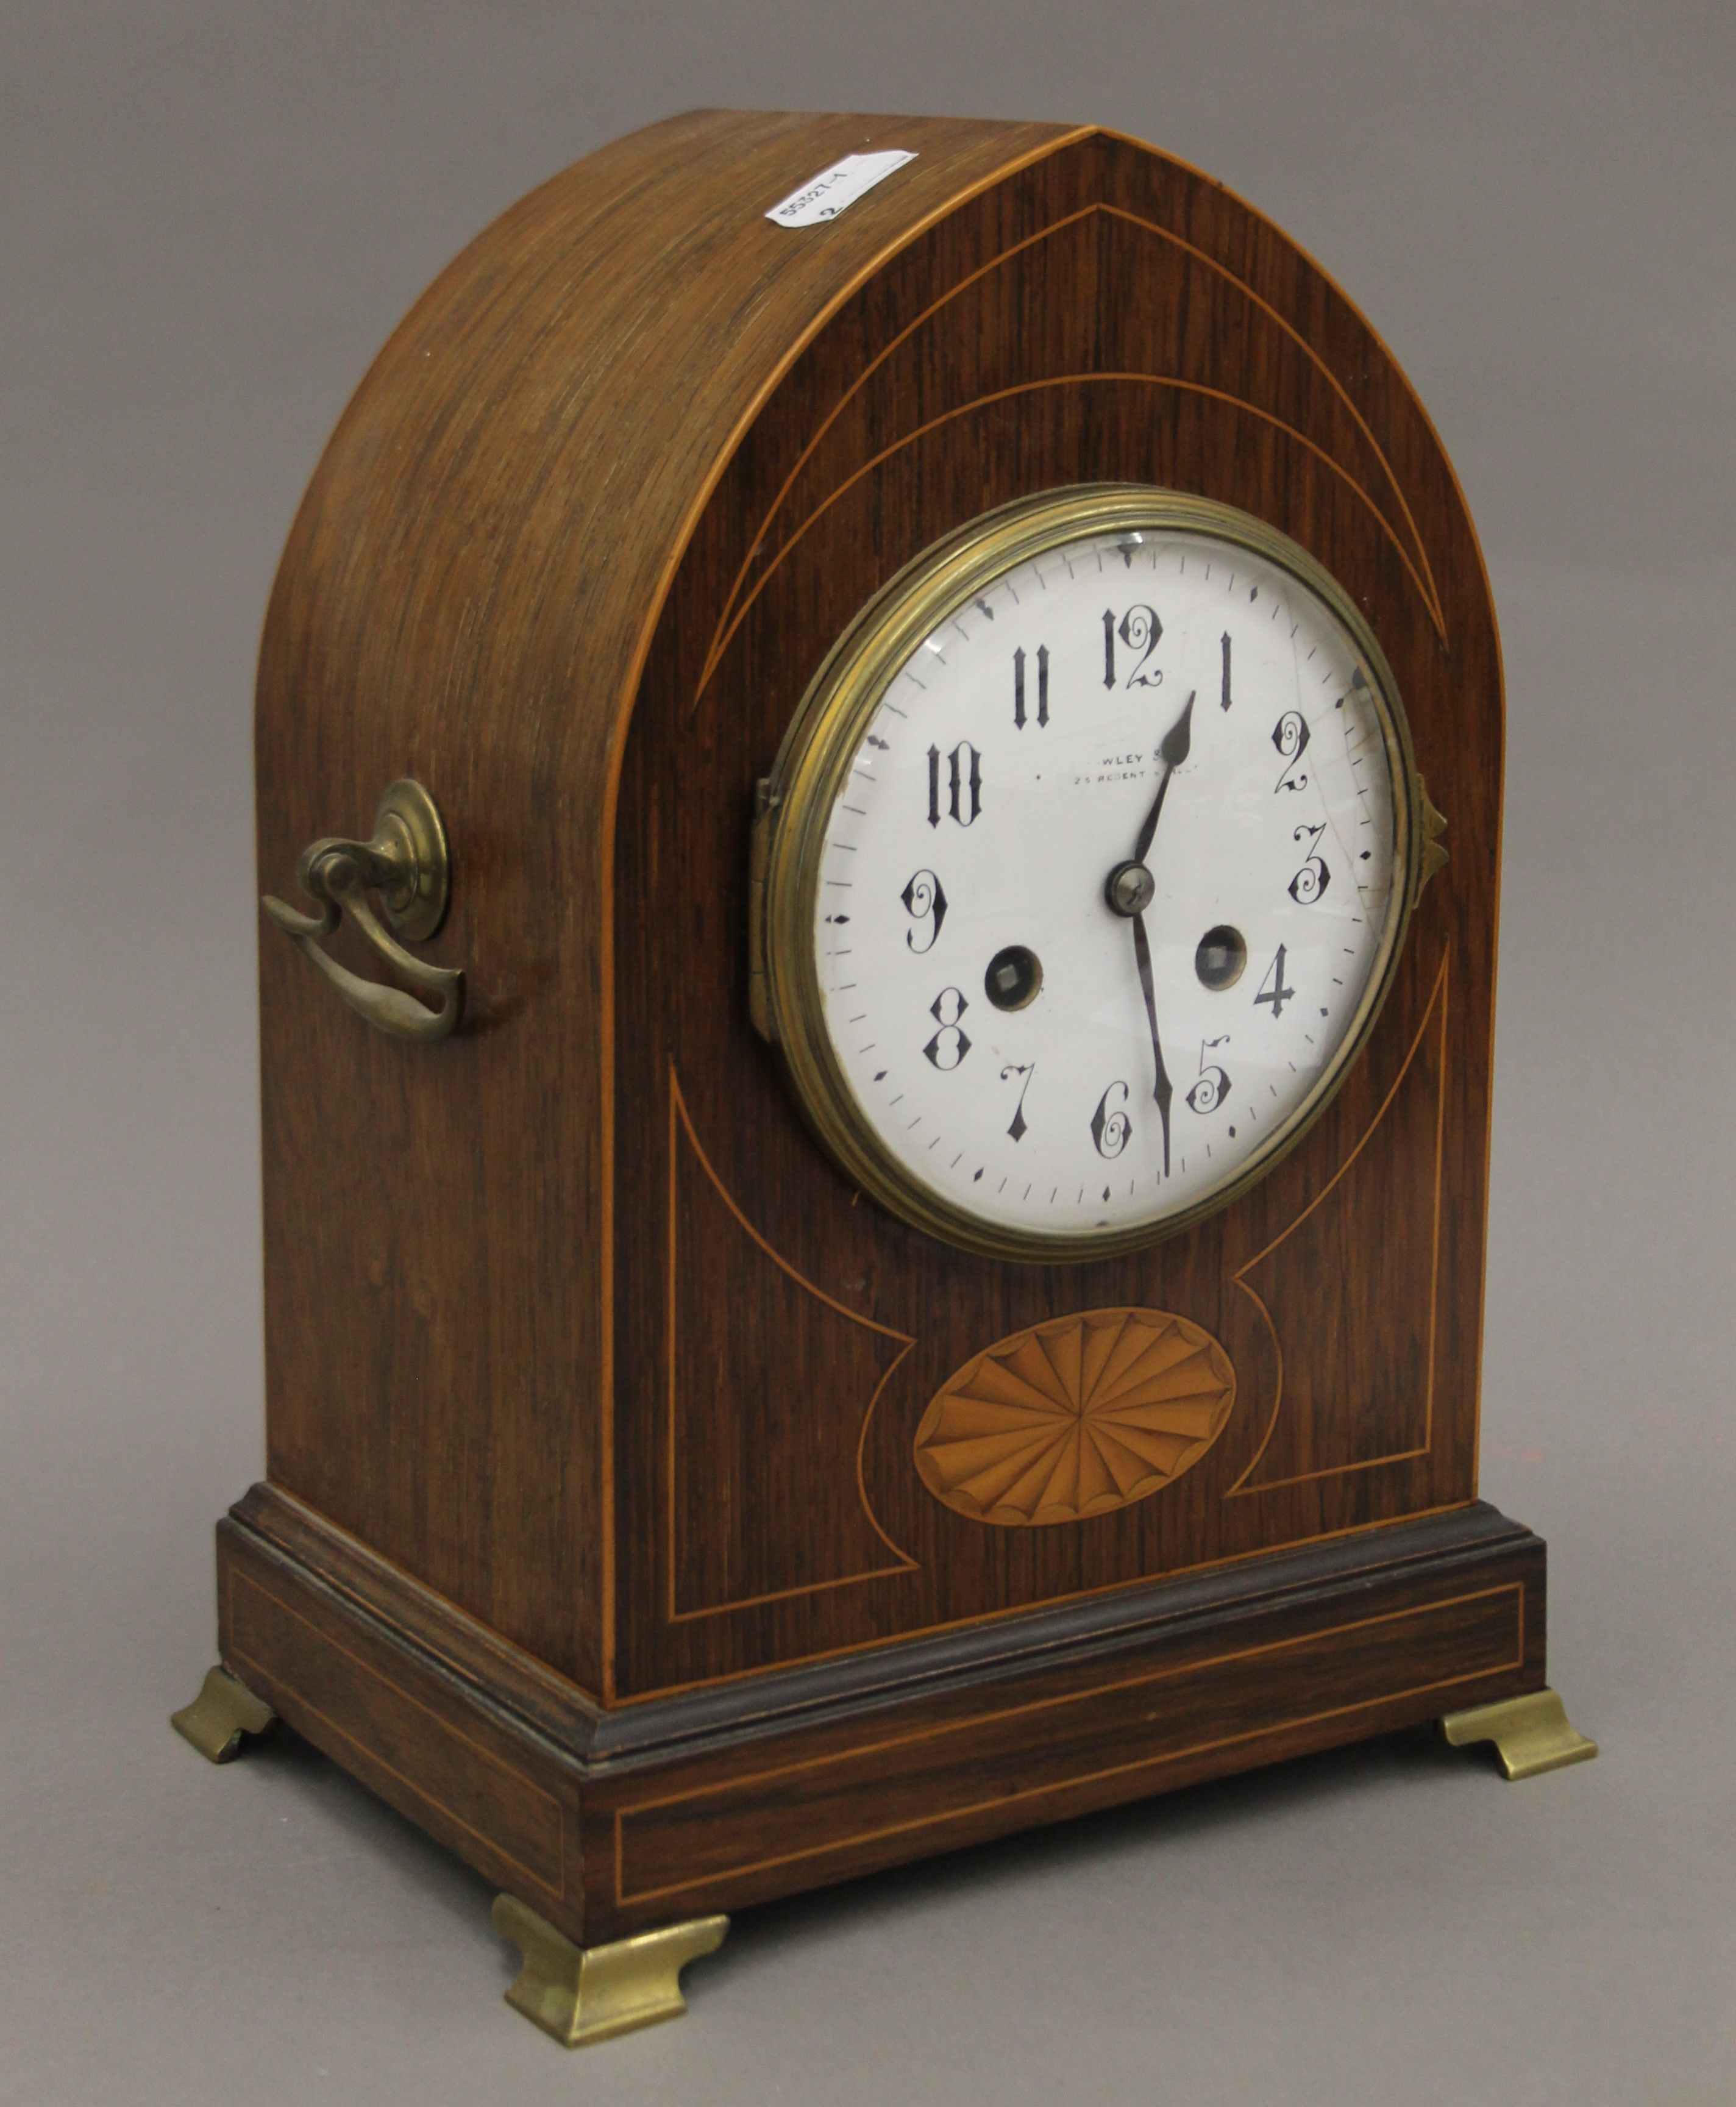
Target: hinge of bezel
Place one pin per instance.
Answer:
(1434, 855)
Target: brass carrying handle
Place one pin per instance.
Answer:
(407, 864)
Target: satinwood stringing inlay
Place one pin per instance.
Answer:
(1075, 1417)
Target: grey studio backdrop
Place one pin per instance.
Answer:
(213, 215)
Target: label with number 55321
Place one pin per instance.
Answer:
(825, 195)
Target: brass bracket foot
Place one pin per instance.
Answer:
(223, 1712)
(581, 1994)
(1531, 1734)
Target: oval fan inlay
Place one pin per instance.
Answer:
(1075, 1417)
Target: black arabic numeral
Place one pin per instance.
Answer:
(1209, 1094)
(965, 798)
(1111, 1130)
(1210, 1091)
(1311, 880)
(964, 784)
(1290, 737)
(1027, 1069)
(1141, 631)
(949, 1045)
(925, 902)
(1273, 992)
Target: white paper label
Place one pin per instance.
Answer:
(833, 189)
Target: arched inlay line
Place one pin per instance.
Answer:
(1074, 380)
(1437, 1001)
(680, 1122)
(726, 628)
(1431, 595)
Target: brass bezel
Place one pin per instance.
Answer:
(815, 758)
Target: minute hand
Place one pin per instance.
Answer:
(1129, 890)
(1172, 753)
(1161, 1090)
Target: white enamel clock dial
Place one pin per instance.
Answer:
(1109, 870)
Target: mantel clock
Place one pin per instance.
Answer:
(876, 1159)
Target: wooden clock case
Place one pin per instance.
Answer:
(591, 1537)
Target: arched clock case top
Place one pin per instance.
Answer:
(594, 1534)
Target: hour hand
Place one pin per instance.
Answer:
(1172, 752)
(1129, 886)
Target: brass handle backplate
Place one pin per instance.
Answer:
(407, 864)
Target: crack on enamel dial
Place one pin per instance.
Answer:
(1092, 865)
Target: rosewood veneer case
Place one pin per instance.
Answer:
(597, 1534)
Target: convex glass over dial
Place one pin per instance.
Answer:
(1086, 863)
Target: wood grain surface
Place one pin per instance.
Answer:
(608, 1820)
(568, 1321)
